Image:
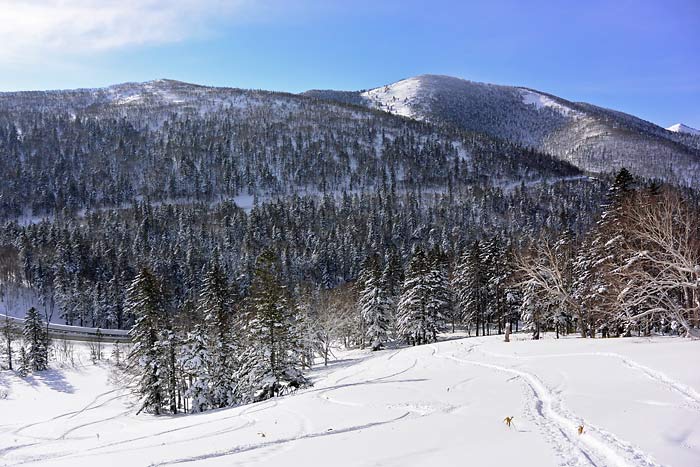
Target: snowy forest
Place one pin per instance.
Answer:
(362, 230)
(217, 322)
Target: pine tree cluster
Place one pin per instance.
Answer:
(223, 350)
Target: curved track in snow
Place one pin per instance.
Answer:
(596, 447)
(405, 407)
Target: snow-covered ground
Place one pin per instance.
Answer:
(637, 399)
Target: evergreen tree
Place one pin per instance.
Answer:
(35, 336)
(496, 257)
(24, 365)
(9, 332)
(145, 300)
(117, 355)
(216, 305)
(167, 349)
(393, 277)
(599, 257)
(271, 366)
(440, 303)
(365, 275)
(195, 360)
(414, 322)
(375, 306)
(469, 284)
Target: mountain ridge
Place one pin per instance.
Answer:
(682, 128)
(593, 138)
(165, 140)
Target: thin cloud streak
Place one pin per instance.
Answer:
(32, 30)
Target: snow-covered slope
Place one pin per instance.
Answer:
(681, 128)
(593, 138)
(136, 100)
(638, 401)
(399, 98)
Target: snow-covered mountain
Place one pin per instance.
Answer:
(130, 100)
(681, 128)
(593, 138)
(169, 140)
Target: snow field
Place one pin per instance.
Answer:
(440, 404)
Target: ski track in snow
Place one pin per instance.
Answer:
(692, 396)
(90, 406)
(252, 447)
(305, 430)
(100, 450)
(323, 392)
(596, 447)
(544, 410)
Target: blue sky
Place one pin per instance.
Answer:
(640, 57)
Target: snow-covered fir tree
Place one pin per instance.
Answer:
(116, 355)
(270, 364)
(166, 349)
(469, 285)
(414, 320)
(195, 361)
(24, 364)
(36, 338)
(439, 307)
(600, 255)
(393, 277)
(375, 305)
(217, 304)
(148, 357)
(9, 333)
(494, 259)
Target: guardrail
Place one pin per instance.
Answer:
(64, 331)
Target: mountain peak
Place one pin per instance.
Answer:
(681, 128)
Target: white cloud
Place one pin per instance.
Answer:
(32, 29)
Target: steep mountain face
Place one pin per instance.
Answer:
(592, 138)
(166, 140)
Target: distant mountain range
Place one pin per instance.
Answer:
(592, 138)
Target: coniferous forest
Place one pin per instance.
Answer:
(242, 238)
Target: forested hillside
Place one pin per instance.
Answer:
(241, 234)
(591, 138)
(168, 141)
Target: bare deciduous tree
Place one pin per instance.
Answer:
(545, 271)
(662, 273)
